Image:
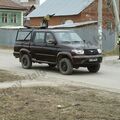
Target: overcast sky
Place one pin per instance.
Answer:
(41, 1)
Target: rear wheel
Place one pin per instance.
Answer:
(26, 61)
(94, 68)
(65, 66)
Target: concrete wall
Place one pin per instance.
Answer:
(7, 37)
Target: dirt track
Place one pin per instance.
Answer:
(58, 97)
(108, 78)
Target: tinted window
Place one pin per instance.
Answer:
(24, 35)
(49, 36)
(40, 37)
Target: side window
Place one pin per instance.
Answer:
(49, 38)
(40, 37)
(24, 35)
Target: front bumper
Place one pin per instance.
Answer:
(16, 54)
(86, 60)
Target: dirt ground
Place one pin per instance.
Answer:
(58, 103)
(8, 76)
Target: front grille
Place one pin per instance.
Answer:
(91, 52)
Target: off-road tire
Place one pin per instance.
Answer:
(65, 66)
(26, 61)
(94, 68)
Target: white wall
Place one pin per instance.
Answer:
(28, 2)
(18, 1)
(23, 0)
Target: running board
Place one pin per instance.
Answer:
(39, 61)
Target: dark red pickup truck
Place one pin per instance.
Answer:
(61, 48)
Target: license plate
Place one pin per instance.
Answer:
(93, 60)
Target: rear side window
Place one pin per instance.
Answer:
(39, 37)
(24, 35)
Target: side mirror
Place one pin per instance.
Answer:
(84, 41)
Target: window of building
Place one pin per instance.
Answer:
(108, 3)
(4, 18)
(13, 18)
(67, 21)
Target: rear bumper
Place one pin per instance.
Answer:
(87, 60)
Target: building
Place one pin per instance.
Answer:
(70, 10)
(11, 14)
(30, 5)
(27, 3)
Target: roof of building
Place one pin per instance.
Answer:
(73, 25)
(61, 7)
(9, 4)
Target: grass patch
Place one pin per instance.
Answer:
(41, 103)
(6, 47)
(7, 76)
(113, 52)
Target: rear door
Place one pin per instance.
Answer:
(37, 45)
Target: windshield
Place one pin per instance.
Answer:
(68, 37)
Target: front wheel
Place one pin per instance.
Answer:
(94, 68)
(26, 61)
(65, 66)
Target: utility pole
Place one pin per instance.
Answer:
(100, 2)
(117, 23)
(116, 11)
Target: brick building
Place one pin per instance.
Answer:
(74, 10)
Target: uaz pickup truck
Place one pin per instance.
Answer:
(62, 48)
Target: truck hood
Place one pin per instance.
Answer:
(79, 46)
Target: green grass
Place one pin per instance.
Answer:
(6, 47)
(113, 52)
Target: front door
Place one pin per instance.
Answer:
(51, 48)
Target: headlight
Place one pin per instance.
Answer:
(78, 51)
(99, 51)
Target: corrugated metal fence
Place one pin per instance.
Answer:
(88, 33)
(7, 37)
